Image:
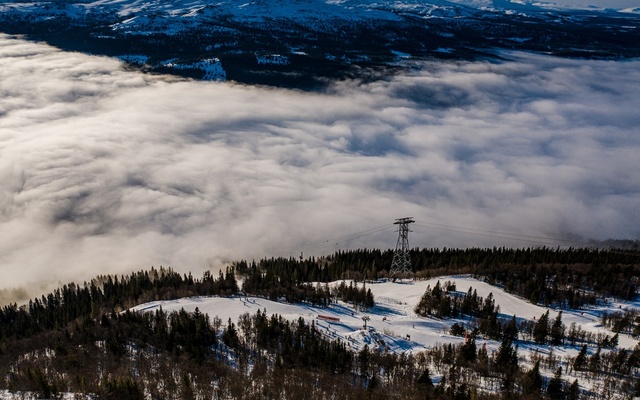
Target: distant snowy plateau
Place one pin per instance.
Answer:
(302, 43)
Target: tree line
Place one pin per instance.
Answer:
(553, 277)
(107, 294)
(292, 281)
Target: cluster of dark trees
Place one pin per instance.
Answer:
(564, 278)
(502, 371)
(291, 280)
(359, 297)
(290, 344)
(107, 294)
(621, 362)
(483, 319)
(445, 302)
(464, 364)
(627, 321)
(180, 355)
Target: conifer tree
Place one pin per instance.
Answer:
(581, 359)
(555, 389)
(468, 351)
(594, 361)
(541, 329)
(557, 330)
(532, 380)
(425, 379)
(511, 329)
(506, 359)
(574, 391)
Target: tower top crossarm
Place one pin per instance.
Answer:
(402, 221)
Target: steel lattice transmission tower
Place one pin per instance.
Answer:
(401, 265)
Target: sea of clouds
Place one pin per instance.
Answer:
(106, 170)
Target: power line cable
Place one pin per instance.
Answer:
(343, 239)
(506, 235)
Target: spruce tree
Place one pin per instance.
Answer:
(532, 380)
(581, 359)
(594, 361)
(468, 351)
(557, 330)
(511, 329)
(425, 378)
(541, 329)
(574, 391)
(555, 389)
(506, 359)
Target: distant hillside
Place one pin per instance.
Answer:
(300, 43)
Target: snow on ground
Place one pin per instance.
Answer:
(211, 67)
(273, 59)
(392, 322)
(7, 395)
(134, 58)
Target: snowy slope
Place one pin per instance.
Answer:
(392, 319)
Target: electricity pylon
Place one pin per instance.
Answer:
(401, 265)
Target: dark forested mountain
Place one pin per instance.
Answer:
(299, 43)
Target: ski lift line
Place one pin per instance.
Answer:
(327, 243)
(504, 235)
(344, 239)
(542, 240)
(432, 224)
(356, 234)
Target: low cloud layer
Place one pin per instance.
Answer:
(104, 170)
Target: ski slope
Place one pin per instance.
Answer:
(392, 320)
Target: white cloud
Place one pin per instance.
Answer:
(105, 170)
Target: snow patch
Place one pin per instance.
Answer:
(272, 59)
(137, 59)
(212, 68)
(400, 54)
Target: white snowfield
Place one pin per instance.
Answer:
(392, 324)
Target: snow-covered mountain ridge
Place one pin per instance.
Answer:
(320, 38)
(393, 326)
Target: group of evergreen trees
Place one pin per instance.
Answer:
(482, 317)
(106, 294)
(287, 279)
(565, 278)
(627, 321)
(446, 303)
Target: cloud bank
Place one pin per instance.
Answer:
(105, 170)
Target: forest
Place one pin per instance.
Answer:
(83, 339)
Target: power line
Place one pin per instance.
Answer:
(322, 244)
(505, 235)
